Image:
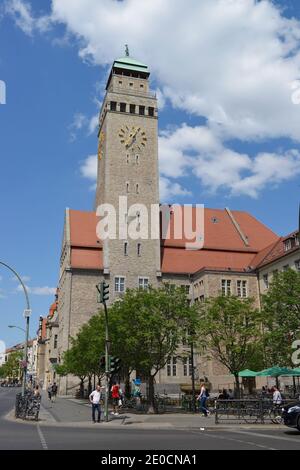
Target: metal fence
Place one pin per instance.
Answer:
(27, 406)
(249, 411)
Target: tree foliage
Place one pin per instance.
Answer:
(230, 328)
(281, 318)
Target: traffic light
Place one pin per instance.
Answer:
(103, 290)
(102, 362)
(114, 364)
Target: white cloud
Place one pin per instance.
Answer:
(197, 151)
(93, 124)
(22, 14)
(232, 61)
(169, 189)
(38, 290)
(89, 168)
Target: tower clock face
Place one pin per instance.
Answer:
(133, 138)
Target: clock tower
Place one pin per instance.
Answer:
(128, 168)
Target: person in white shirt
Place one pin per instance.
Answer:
(95, 398)
(277, 398)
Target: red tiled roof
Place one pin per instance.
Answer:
(175, 260)
(224, 243)
(274, 252)
(83, 229)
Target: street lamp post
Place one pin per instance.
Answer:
(27, 314)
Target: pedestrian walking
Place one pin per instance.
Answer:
(277, 398)
(202, 398)
(115, 394)
(49, 390)
(95, 399)
(36, 392)
(54, 392)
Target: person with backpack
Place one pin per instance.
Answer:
(202, 398)
(115, 394)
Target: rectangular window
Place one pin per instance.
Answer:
(55, 342)
(241, 288)
(151, 112)
(120, 284)
(187, 366)
(286, 267)
(226, 287)
(132, 108)
(174, 366)
(202, 298)
(142, 110)
(113, 106)
(169, 370)
(266, 280)
(297, 264)
(123, 107)
(143, 283)
(131, 84)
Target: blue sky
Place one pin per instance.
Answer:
(55, 66)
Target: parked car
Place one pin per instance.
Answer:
(291, 415)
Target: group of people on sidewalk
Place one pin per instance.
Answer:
(96, 400)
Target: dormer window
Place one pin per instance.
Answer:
(287, 244)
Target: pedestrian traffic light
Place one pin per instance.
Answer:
(114, 364)
(103, 290)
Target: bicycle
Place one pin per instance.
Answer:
(262, 412)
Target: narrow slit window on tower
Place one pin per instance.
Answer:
(142, 110)
(151, 111)
(126, 249)
(137, 188)
(127, 158)
(127, 188)
(137, 159)
(139, 249)
(132, 109)
(123, 107)
(113, 105)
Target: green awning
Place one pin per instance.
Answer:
(293, 373)
(275, 372)
(247, 373)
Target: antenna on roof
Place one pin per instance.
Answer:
(126, 50)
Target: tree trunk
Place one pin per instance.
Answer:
(294, 386)
(237, 386)
(151, 409)
(81, 388)
(90, 385)
(127, 386)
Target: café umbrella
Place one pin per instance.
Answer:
(247, 373)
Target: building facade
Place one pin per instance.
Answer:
(229, 262)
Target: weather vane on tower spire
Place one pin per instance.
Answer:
(126, 50)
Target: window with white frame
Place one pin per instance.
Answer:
(241, 287)
(143, 283)
(187, 366)
(287, 244)
(226, 287)
(172, 366)
(266, 280)
(120, 284)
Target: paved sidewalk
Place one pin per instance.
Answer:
(70, 412)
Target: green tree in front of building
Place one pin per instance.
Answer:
(11, 370)
(230, 331)
(281, 318)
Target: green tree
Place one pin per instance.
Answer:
(281, 318)
(230, 329)
(147, 327)
(12, 369)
